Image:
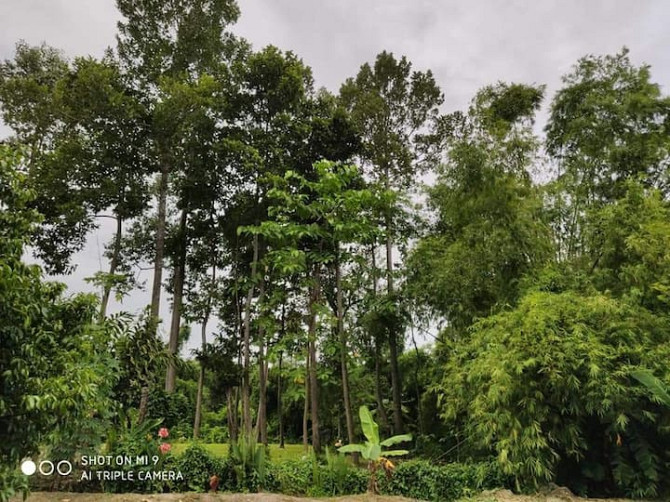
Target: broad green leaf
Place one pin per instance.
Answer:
(369, 426)
(395, 453)
(351, 448)
(373, 452)
(401, 438)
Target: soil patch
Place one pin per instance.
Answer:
(554, 494)
(195, 497)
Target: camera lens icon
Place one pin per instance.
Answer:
(46, 467)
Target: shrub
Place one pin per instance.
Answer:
(174, 409)
(548, 387)
(423, 480)
(197, 466)
(292, 477)
(339, 477)
(133, 440)
(249, 461)
(309, 476)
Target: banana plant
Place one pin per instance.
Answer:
(373, 449)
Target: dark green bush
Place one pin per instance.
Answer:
(174, 409)
(197, 466)
(292, 477)
(423, 480)
(308, 476)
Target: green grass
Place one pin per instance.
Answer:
(277, 454)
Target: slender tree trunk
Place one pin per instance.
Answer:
(144, 404)
(343, 349)
(261, 420)
(116, 254)
(381, 411)
(205, 320)
(160, 242)
(416, 383)
(238, 424)
(305, 414)
(280, 410)
(179, 277)
(313, 382)
(239, 329)
(246, 348)
(198, 403)
(231, 415)
(393, 335)
(201, 378)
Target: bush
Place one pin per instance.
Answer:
(174, 409)
(292, 477)
(309, 476)
(339, 477)
(548, 387)
(249, 461)
(197, 466)
(423, 480)
(133, 440)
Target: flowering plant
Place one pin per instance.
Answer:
(164, 447)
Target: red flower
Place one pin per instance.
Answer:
(163, 432)
(165, 447)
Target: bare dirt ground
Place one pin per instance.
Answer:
(196, 497)
(553, 495)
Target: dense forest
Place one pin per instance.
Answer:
(514, 310)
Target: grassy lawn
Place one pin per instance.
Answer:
(277, 454)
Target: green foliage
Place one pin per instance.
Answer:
(197, 466)
(249, 461)
(396, 112)
(174, 409)
(86, 134)
(609, 124)
(57, 373)
(423, 480)
(501, 107)
(133, 439)
(547, 387)
(490, 230)
(171, 38)
(293, 477)
(373, 449)
(628, 242)
(142, 357)
(308, 476)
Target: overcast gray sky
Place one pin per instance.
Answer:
(467, 44)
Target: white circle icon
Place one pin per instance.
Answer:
(49, 464)
(28, 467)
(63, 471)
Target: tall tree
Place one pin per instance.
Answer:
(310, 221)
(275, 86)
(85, 129)
(166, 47)
(489, 231)
(608, 123)
(396, 111)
